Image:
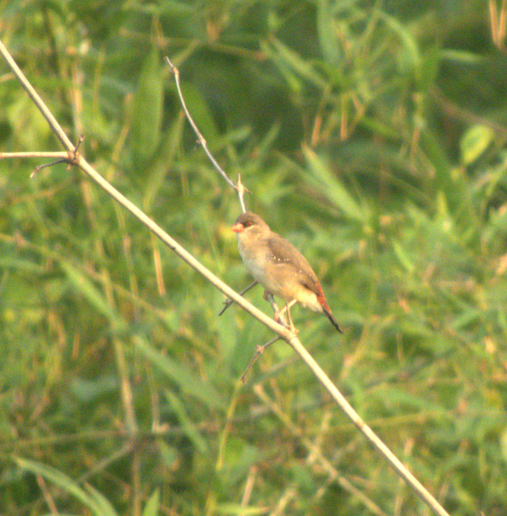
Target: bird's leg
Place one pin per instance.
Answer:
(279, 313)
(291, 324)
(268, 296)
(286, 308)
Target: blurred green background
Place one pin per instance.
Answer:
(372, 135)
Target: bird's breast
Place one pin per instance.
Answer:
(255, 261)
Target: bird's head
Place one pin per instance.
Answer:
(250, 225)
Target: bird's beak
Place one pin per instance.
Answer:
(238, 228)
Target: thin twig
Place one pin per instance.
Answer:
(228, 302)
(52, 155)
(241, 189)
(284, 333)
(202, 141)
(258, 352)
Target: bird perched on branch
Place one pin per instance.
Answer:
(279, 267)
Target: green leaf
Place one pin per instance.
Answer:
(87, 391)
(239, 510)
(153, 505)
(92, 294)
(402, 256)
(148, 103)
(327, 33)
(185, 421)
(103, 504)
(333, 188)
(429, 69)
(474, 142)
(291, 62)
(177, 373)
(91, 498)
(412, 55)
(163, 163)
(395, 397)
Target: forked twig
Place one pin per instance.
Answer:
(71, 158)
(239, 187)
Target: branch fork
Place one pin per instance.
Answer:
(72, 159)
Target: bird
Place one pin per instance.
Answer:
(279, 267)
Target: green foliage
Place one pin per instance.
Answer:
(372, 135)
(90, 498)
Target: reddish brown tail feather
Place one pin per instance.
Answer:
(322, 300)
(334, 322)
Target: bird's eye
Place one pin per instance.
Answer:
(248, 224)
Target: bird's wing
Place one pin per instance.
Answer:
(283, 254)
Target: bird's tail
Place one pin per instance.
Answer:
(325, 308)
(330, 316)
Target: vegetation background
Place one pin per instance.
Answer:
(370, 133)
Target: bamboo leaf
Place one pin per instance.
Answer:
(90, 497)
(185, 379)
(333, 188)
(147, 115)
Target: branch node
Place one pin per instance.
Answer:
(174, 70)
(241, 189)
(71, 159)
(258, 352)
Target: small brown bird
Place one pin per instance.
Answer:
(279, 267)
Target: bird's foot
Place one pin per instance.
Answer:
(279, 320)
